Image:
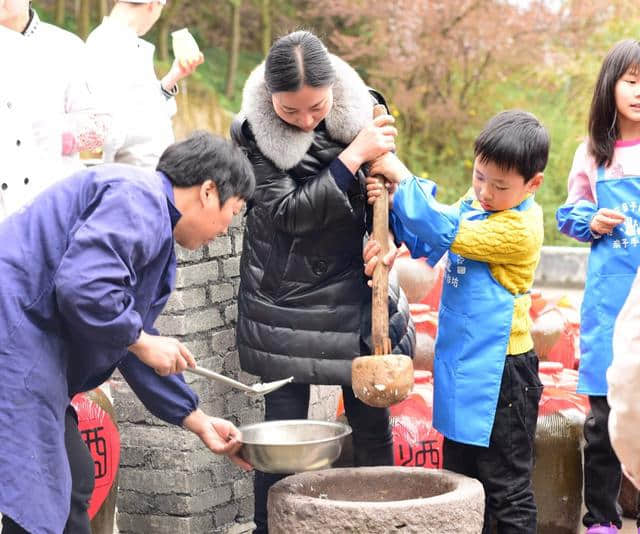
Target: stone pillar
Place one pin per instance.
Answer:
(169, 482)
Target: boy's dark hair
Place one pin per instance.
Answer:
(296, 60)
(603, 124)
(203, 156)
(514, 140)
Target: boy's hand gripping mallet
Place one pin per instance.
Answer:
(383, 379)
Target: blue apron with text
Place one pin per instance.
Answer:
(613, 262)
(474, 326)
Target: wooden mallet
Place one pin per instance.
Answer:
(384, 378)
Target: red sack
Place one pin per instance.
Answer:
(566, 348)
(560, 390)
(99, 431)
(415, 442)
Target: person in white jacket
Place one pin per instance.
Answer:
(47, 112)
(122, 73)
(624, 386)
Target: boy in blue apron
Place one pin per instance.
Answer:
(603, 208)
(86, 269)
(486, 385)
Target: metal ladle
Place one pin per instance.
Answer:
(256, 389)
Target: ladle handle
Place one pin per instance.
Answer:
(208, 373)
(380, 299)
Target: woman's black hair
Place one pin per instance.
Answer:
(516, 140)
(203, 156)
(296, 60)
(603, 123)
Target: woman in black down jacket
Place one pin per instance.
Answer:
(304, 308)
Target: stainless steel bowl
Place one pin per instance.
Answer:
(292, 446)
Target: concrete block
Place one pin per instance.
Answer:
(251, 415)
(182, 300)
(203, 320)
(200, 348)
(191, 461)
(133, 502)
(241, 528)
(198, 274)
(152, 437)
(238, 239)
(224, 340)
(225, 515)
(165, 481)
(163, 524)
(232, 363)
(231, 314)
(184, 255)
(231, 267)
(133, 457)
(245, 513)
(562, 266)
(243, 488)
(189, 505)
(220, 292)
(182, 325)
(221, 246)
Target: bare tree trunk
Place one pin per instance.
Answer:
(84, 19)
(163, 29)
(266, 26)
(103, 9)
(234, 46)
(60, 12)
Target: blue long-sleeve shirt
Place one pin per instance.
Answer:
(83, 269)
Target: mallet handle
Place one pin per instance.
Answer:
(380, 300)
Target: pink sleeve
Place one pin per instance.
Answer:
(581, 177)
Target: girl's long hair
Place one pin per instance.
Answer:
(603, 123)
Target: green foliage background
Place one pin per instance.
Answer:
(558, 93)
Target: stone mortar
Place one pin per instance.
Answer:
(371, 500)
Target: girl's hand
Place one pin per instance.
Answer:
(605, 220)
(371, 253)
(374, 190)
(219, 435)
(371, 142)
(391, 168)
(165, 354)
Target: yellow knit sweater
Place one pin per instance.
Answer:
(510, 242)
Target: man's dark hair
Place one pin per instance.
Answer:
(203, 156)
(514, 140)
(296, 60)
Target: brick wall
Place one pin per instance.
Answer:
(169, 482)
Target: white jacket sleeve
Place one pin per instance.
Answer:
(624, 385)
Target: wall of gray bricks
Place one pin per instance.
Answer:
(169, 482)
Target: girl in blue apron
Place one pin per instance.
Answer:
(486, 385)
(603, 208)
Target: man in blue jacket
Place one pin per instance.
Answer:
(85, 270)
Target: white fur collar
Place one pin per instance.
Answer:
(286, 145)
